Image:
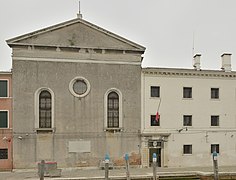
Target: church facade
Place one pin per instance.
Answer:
(77, 96)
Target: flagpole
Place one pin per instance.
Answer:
(159, 105)
(157, 113)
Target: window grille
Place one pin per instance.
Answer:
(45, 110)
(113, 110)
(3, 153)
(187, 149)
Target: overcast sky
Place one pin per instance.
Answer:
(165, 27)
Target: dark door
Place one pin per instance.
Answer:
(158, 153)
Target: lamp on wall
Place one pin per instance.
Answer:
(20, 137)
(6, 139)
(179, 130)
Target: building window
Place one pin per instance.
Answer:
(113, 120)
(187, 120)
(45, 109)
(155, 91)
(79, 87)
(113, 110)
(214, 93)
(214, 120)
(155, 122)
(3, 119)
(187, 92)
(215, 147)
(3, 88)
(187, 149)
(3, 153)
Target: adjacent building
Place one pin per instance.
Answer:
(5, 121)
(196, 115)
(77, 96)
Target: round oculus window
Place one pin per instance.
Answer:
(79, 87)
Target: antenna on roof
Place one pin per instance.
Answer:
(193, 46)
(79, 15)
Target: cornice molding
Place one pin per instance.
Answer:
(189, 73)
(76, 60)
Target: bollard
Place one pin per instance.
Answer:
(41, 170)
(215, 165)
(107, 159)
(127, 166)
(154, 164)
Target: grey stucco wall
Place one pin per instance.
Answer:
(75, 119)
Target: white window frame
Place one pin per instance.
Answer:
(191, 120)
(159, 88)
(120, 109)
(8, 125)
(36, 111)
(217, 122)
(191, 92)
(8, 93)
(184, 153)
(72, 83)
(218, 93)
(215, 144)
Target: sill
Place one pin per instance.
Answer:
(155, 97)
(187, 98)
(215, 99)
(187, 154)
(44, 130)
(113, 129)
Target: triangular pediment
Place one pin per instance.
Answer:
(76, 33)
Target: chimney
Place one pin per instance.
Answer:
(196, 62)
(226, 62)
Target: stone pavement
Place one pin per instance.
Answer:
(89, 173)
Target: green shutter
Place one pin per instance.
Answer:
(3, 119)
(3, 88)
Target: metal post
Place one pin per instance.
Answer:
(41, 170)
(154, 164)
(107, 159)
(215, 166)
(127, 166)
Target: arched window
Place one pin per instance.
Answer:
(113, 110)
(45, 109)
(113, 119)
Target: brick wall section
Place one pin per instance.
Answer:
(6, 136)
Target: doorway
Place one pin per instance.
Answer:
(158, 153)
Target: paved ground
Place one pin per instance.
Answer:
(71, 173)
